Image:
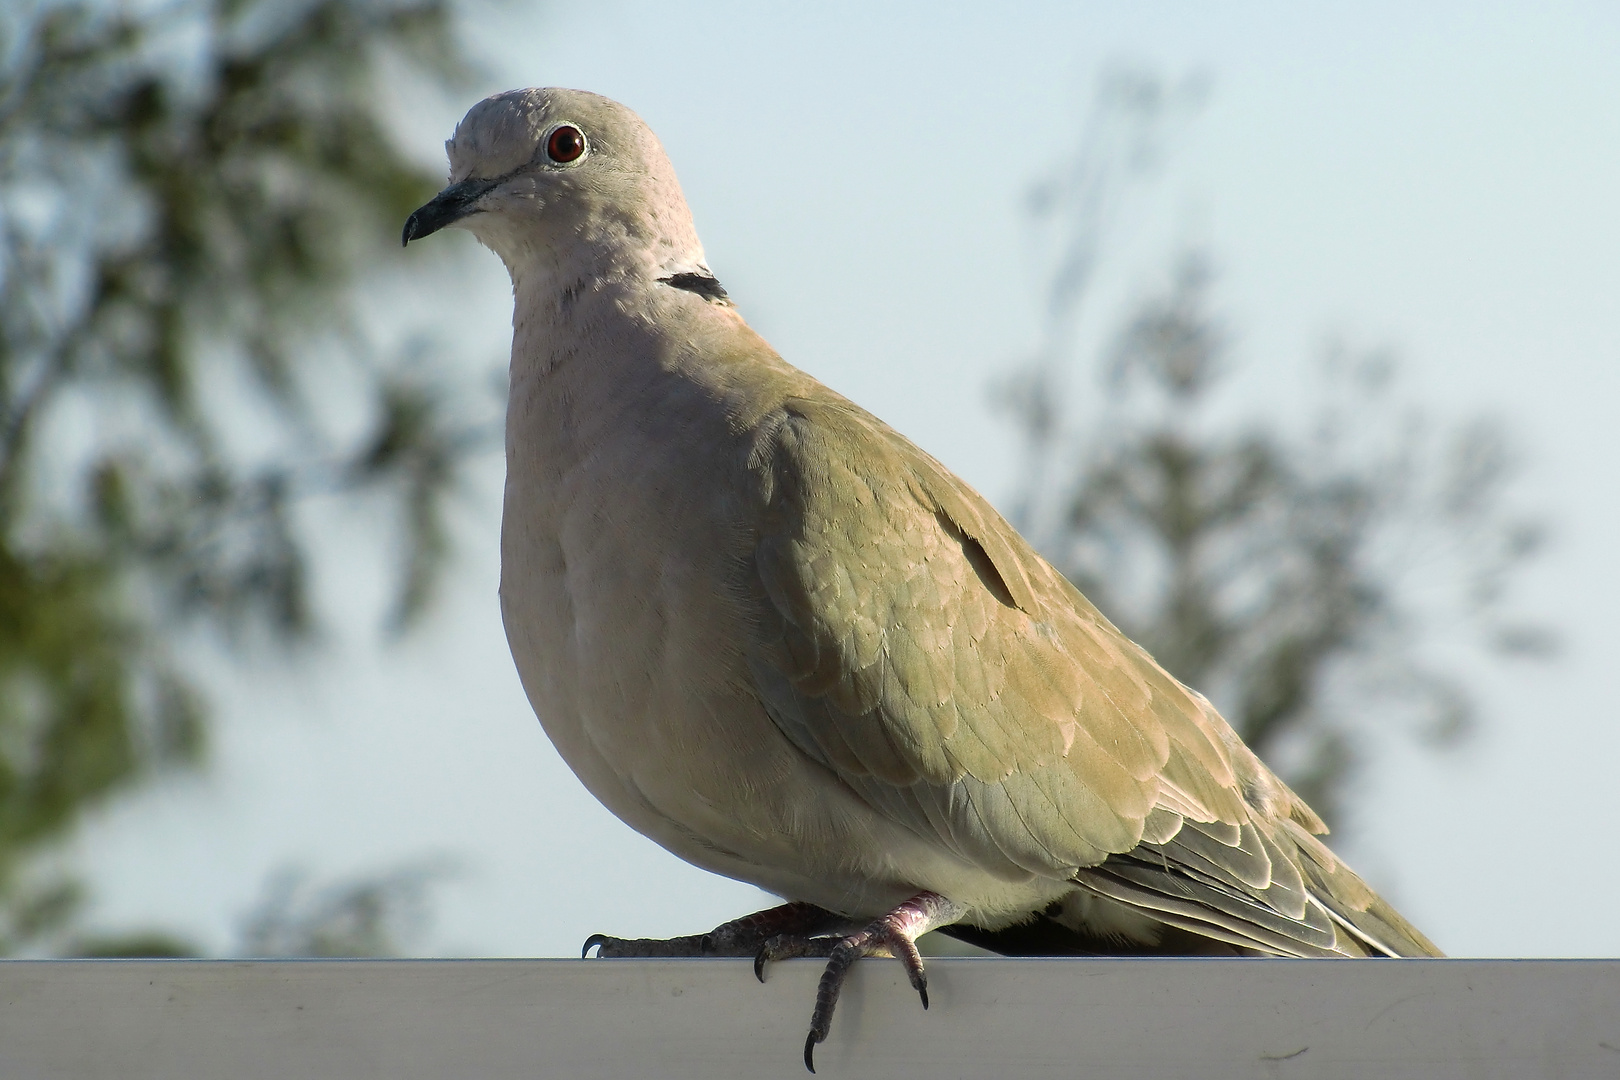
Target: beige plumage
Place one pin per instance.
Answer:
(773, 635)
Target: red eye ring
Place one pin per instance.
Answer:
(566, 143)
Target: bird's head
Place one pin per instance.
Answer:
(562, 175)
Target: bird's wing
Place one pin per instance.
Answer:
(914, 643)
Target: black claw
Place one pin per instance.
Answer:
(810, 1052)
(759, 969)
(922, 992)
(592, 942)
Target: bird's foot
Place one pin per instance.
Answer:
(740, 937)
(894, 934)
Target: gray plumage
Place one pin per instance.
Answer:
(773, 635)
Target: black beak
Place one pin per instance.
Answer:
(446, 208)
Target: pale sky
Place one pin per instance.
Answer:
(1439, 178)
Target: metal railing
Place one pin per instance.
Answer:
(990, 1018)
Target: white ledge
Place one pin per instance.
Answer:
(708, 1019)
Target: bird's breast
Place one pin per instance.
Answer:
(630, 599)
(622, 553)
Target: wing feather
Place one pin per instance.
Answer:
(915, 645)
(916, 641)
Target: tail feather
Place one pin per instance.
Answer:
(1353, 903)
(1182, 898)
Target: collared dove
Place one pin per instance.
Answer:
(773, 635)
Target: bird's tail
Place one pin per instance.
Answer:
(1366, 917)
(1177, 898)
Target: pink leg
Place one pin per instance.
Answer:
(895, 934)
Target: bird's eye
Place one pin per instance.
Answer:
(565, 144)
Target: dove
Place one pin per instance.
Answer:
(770, 633)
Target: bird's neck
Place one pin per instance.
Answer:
(594, 351)
(563, 311)
(587, 346)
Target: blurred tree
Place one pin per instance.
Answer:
(379, 914)
(189, 192)
(382, 914)
(1299, 577)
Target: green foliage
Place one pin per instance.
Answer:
(152, 945)
(189, 194)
